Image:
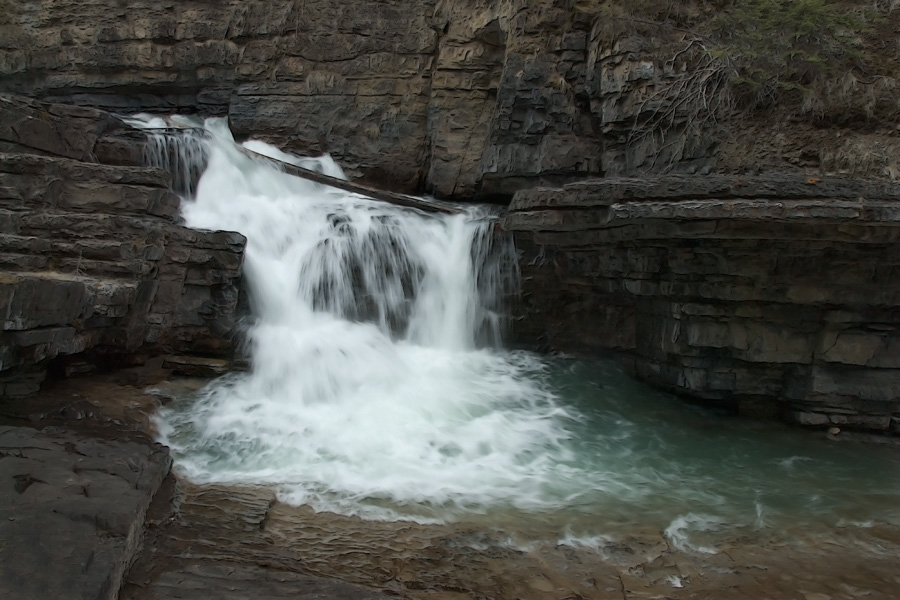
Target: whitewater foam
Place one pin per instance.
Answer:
(371, 386)
(682, 529)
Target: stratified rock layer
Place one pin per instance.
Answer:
(464, 98)
(773, 295)
(92, 259)
(236, 581)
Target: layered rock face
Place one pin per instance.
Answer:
(772, 295)
(95, 266)
(462, 98)
(458, 97)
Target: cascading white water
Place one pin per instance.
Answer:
(183, 156)
(371, 374)
(378, 388)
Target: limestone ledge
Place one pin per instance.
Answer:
(774, 295)
(93, 262)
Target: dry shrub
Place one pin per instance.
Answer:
(318, 82)
(863, 157)
(373, 132)
(787, 53)
(817, 60)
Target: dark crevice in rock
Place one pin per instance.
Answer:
(23, 482)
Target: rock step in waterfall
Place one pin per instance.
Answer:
(96, 268)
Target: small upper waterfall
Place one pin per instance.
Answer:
(177, 145)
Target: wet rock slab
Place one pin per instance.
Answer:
(227, 542)
(197, 366)
(72, 511)
(227, 581)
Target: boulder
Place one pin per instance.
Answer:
(73, 512)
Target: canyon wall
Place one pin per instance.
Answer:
(737, 292)
(462, 98)
(94, 268)
(777, 296)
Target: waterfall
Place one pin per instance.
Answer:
(177, 145)
(376, 368)
(379, 387)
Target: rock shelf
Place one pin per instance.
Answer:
(774, 295)
(73, 512)
(96, 269)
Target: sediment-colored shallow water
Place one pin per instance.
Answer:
(384, 436)
(473, 560)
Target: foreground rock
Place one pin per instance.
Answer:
(236, 581)
(774, 295)
(73, 511)
(94, 268)
(84, 494)
(223, 536)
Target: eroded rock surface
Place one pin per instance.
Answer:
(221, 536)
(227, 581)
(73, 509)
(778, 295)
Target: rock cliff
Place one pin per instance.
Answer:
(773, 295)
(95, 267)
(462, 98)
